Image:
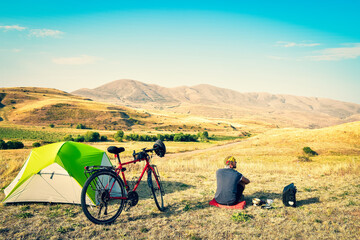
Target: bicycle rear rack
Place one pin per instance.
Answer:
(89, 170)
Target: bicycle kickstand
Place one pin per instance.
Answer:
(127, 206)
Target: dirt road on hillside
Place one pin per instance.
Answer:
(214, 148)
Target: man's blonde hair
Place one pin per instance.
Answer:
(228, 160)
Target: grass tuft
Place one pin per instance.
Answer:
(144, 230)
(24, 215)
(186, 208)
(25, 208)
(309, 189)
(195, 237)
(241, 217)
(4, 230)
(63, 230)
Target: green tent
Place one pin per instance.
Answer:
(54, 173)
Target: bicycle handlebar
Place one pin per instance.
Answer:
(143, 153)
(158, 147)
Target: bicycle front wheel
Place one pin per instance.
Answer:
(103, 197)
(156, 187)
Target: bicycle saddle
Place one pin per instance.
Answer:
(115, 150)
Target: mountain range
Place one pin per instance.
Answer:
(215, 102)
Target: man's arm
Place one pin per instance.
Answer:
(244, 180)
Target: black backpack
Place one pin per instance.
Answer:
(289, 198)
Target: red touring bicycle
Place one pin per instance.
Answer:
(105, 193)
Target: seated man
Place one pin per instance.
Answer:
(230, 183)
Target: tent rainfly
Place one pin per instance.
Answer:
(54, 173)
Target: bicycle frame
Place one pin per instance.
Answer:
(120, 168)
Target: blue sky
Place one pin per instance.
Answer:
(306, 48)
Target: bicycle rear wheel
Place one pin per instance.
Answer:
(102, 197)
(156, 187)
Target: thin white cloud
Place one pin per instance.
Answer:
(294, 44)
(336, 54)
(41, 33)
(12, 27)
(45, 33)
(81, 60)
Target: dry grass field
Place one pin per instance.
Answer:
(328, 192)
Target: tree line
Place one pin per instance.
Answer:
(119, 136)
(176, 137)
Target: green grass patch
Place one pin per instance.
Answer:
(23, 134)
(224, 138)
(241, 217)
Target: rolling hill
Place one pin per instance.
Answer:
(211, 101)
(43, 106)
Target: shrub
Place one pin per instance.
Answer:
(14, 144)
(119, 136)
(68, 138)
(309, 151)
(204, 136)
(161, 137)
(147, 138)
(79, 138)
(3, 144)
(80, 126)
(103, 138)
(169, 137)
(52, 125)
(180, 137)
(92, 136)
(36, 144)
(132, 137)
